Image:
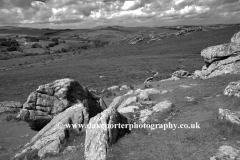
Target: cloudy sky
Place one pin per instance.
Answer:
(90, 13)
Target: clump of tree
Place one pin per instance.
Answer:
(51, 45)
(36, 45)
(3, 39)
(9, 44)
(86, 46)
(32, 39)
(63, 50)
(98, 43)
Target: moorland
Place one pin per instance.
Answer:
(105, 56)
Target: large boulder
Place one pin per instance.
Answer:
(215, 53)
(10, 106)
(51, 99)
(221, 59)
(103, 131)
(233, 89)
(236, 39)
(51, 139)
(231, 65)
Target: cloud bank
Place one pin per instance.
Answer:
(90, 13)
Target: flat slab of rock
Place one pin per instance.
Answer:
(53, 98)
(50, 140)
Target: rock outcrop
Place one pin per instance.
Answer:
(227, 153)
(228, 116)
(181, 74)
(51, 99)
(221, 59)
(104, 132)
(10, 106)
(140, 106)
(233, 89)
(50, 140)
(136, 40)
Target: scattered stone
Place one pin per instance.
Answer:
(128, 109)
(156, 74)
(148, 80)
(181, 74)
(138, 106)
(10, 106)
(51, 99)
(233, 89)
(27, 135)
(124, 87)
(227, 115)
(136, 40)
(173, 78)
(144, 94)
(184, 86)
(164, 91)
(113, 88)
(190, 99)
(145, 114)
(227, 153)
(163, 107)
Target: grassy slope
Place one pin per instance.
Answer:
(185, 143)
(130, 65)
(121, 65)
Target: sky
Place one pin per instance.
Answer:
(91, 13)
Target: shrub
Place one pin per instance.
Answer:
(3, 39)
(86, 46)
(9, 43)
(12, 48)
(51, 45)
(32, 39)
(56, 43)
(98, 43)
(64, 50)
(36, 45)
(55, 39)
